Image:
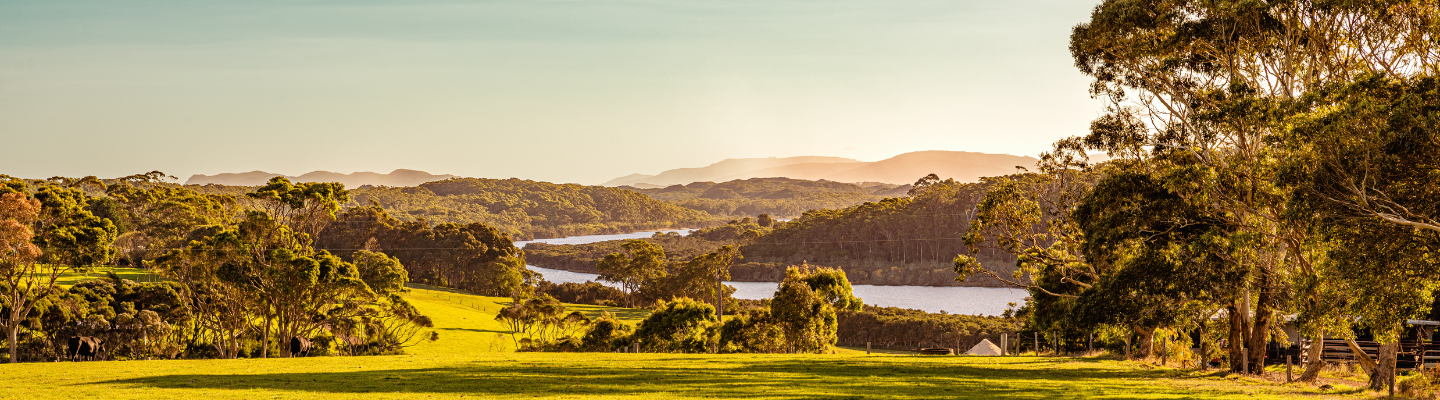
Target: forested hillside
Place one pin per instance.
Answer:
(909, 240)
(528, 209)
(779, 197)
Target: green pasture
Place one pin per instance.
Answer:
(474, 358)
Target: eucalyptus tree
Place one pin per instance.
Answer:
(307, 207)
(644, 263)
(717, 264)
(25, 281)
(1217, 81)
(1363, 166)
(70, 235)
(221, 308)
(805, 315)
(162, 215)
(1163, 265)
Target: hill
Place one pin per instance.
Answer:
(730, 169)
(899, 170)
(529, 209)
(779, 197)
(908, 240)
(399, 177)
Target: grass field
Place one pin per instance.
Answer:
(474, 358)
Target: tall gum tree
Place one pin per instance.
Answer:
(1217, 80)
(25, 280)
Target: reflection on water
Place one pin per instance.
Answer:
(954, 300)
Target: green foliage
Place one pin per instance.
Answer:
(642, 263)
(382, 273)
(682, 325)
(474, 257)
(890, 327)
(804, 314)
(783, 197)
(832, 285)
(69, 233)
(895, 241)
(543, 323)
(606, 334)
(529, 209)
(754, 332)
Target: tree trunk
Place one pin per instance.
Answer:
(1260, 326)
(1385, 367)
(1236, 337)
(719, 300)
(13, 332)
(1146, 346)
(265, 339)
(1315, 356)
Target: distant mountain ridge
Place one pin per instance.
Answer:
(396, 178)
(903, 169)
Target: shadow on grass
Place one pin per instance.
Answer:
(474, 330)
(700, 376)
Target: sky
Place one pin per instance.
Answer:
(556, 90)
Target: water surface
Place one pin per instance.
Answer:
(954, 300)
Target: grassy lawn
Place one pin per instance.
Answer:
(474, 358)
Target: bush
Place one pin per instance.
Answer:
(752, 333)
(679, 326)
(606, 334)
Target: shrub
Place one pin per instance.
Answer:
(679, 326)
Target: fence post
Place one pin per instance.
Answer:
(1244, 361)
(1090, 345)
(1004, 350)
(867, 347)
(1037, 343)
(1288, 377)
(1164, 350)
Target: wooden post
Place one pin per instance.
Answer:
(1127, 347)
(1090, 345)
(1244, 361)
(867, 347)
(1164, 350)
(1003, 349)
(1288, 378)
(1037, 343)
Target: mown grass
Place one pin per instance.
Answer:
(474, 358)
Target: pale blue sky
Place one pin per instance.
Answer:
(565, 91)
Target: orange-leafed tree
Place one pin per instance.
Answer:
(24, 279)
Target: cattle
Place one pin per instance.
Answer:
(85, 348)
(299, 346)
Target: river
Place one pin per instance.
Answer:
(954, 300)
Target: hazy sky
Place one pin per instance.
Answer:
(566, 91)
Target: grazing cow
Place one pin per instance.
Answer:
(85, 348)
(299, 346)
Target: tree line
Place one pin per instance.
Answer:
(243, 277)
(528, 209)
(1268, 159)
(778, 197)
(800, 318)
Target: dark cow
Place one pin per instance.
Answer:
(299, 346)
(85, 348)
